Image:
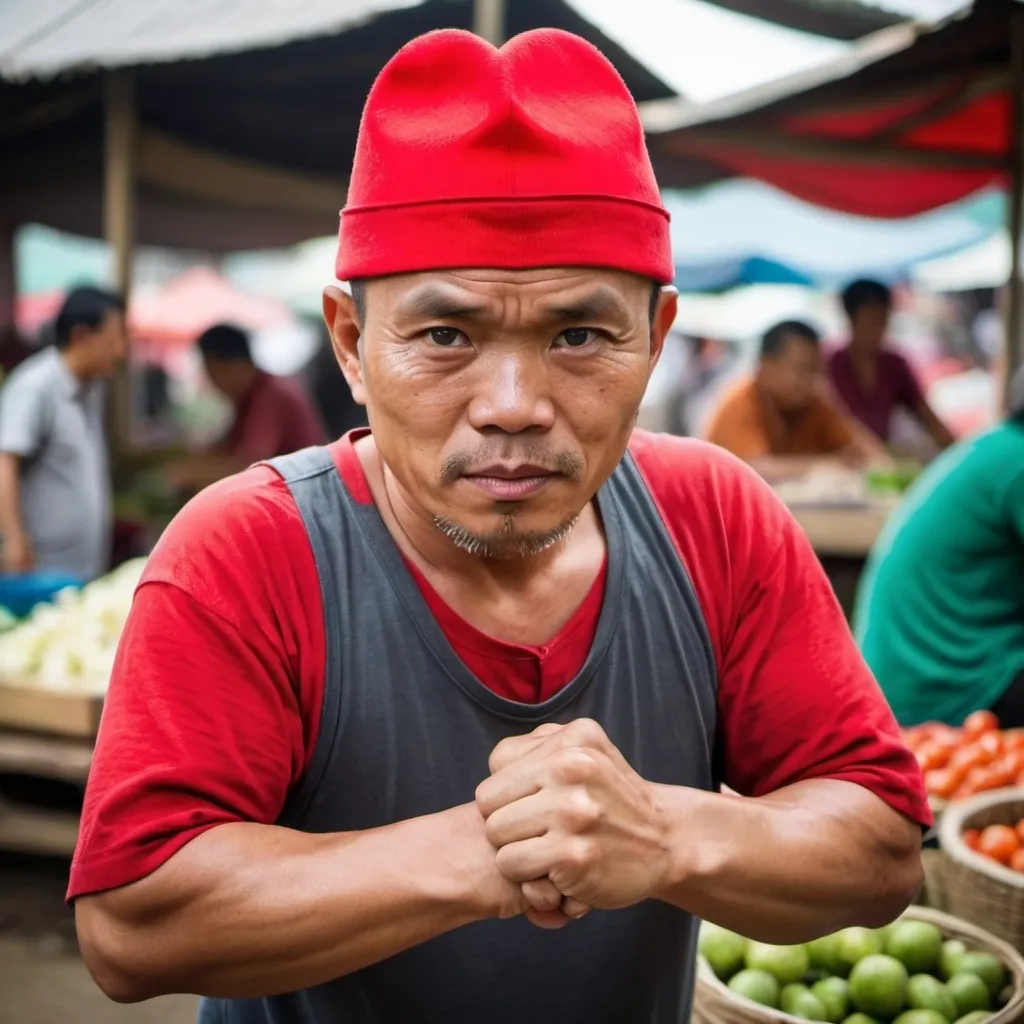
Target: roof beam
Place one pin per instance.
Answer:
(836, 19)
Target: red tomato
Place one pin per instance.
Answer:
(1000, 842)
(1014, 761)
(970, 756)
(992, 744)
(1014, 739)
(943, 782)
(1020, 830)
(971, 837)
(1017, 860)
(929, 756)
(979, 722)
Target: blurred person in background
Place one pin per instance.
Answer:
(940, 610)
(779, 419)
(871, 380)
(272, 415)
(55, 502)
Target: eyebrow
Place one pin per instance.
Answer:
(601, 303)
(430, 303)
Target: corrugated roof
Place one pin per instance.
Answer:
(41, 38)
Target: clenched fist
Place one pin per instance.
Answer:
(564, 805)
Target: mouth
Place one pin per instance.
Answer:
(511, 482)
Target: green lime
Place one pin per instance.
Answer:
(799, 1001)
(878, 985)
(974, 1017)
(835, 997)
(927, 993)
(723, 950)
(969, 993)
(757, 986)
(952, 950)
(787, 963)
(824, 954)
(860, 1018)
(852, 945)
(921, 1017)
(916, 944)
(985, 966)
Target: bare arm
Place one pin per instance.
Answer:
(937, 430)
(247, 910)
(803, 861)
(17, 549)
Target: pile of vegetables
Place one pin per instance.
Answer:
(906, 973)
(960, 762)
(69, 644)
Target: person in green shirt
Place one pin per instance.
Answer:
(939, 615)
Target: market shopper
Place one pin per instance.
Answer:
(55, 502)
(781, 419)
(272, 415)
(381, 708)
(940, 610)
(871, 380)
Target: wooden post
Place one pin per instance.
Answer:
(489, 20)
(119, 224)
(8, 275)
(1013, 354)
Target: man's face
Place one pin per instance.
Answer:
(219, 372)
(870, 324)
(107, 345)
(501, 400)
(793, 375)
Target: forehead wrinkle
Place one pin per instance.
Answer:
(603, 302)
(434, 301)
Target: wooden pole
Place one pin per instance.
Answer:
(1013, 355)
(119, 224)
(489, 20)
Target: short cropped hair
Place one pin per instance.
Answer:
(775, 338)
(865, 293)
(225, 341)
(84, 307)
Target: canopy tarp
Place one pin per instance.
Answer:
(838, 19)
(248, 109)
(911, 118)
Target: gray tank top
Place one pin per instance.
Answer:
(406, 730)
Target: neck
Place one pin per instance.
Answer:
(75, 363)
(861, 351)
(420, 540)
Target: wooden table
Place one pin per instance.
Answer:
(843, 531)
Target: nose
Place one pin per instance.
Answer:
(512, 395)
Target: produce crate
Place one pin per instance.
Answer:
(976, 888)
(715, 1003)
(49, 711)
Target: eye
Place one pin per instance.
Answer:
(577, 337)
(446, 337)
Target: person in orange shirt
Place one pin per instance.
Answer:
(780, 419)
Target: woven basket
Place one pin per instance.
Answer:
(975, 887)
(714, 1003)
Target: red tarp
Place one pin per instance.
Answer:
(920, 128)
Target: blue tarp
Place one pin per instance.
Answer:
(744, 232)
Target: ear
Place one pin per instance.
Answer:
(664, 318)
(343, 323)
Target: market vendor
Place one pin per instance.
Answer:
(55, 501)
(272, 415)
(781, 418)
(385, 710)
(940, 611)
(871, 380)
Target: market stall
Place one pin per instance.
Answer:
(54, 667)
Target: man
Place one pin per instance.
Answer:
(940, 611)
(383, 710)
(871, 380)
(55, 505)
(778, 420)
(272, 415)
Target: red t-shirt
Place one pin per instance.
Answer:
(213, 708)
(274, 417)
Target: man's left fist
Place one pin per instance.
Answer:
(564, 804)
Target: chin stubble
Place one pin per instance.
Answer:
(506, 542)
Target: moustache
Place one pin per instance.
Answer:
(564, 463)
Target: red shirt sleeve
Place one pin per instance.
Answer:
(213, 706)
(795, 698)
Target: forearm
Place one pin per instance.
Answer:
(812, 858)
(10, 495)
(246, 910)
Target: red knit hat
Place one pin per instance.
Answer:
(531, 155)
